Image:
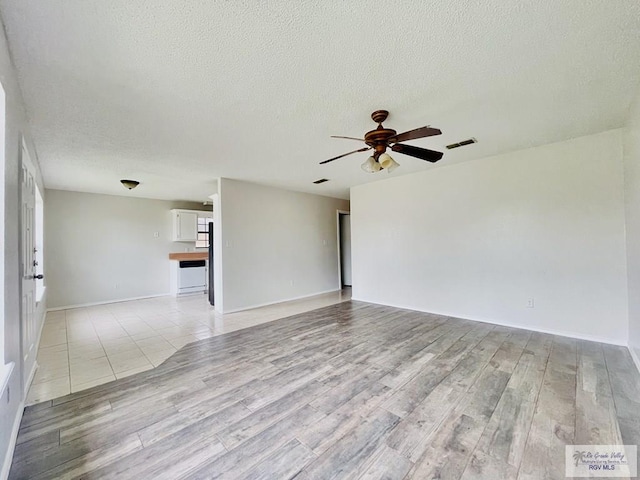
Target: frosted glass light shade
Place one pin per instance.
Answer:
(393, 165)
(387, 162)
(370, 165)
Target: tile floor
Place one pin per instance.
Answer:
(84, 347)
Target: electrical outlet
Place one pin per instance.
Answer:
(116, 286)
(530, 303)
(156, 234)
(292, 282)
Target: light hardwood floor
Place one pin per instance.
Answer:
(352, 390)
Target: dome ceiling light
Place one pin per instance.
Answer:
(130, 184)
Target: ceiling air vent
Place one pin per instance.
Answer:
(321, 180)
(462, 143)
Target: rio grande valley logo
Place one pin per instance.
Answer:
(601, 461)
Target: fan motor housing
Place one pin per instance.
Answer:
(379, 138)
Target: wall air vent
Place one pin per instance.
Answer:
(321, 180)
(462, 143)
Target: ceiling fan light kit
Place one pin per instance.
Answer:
(382, 138)
(384, 161)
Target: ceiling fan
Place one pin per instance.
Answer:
(382, 138)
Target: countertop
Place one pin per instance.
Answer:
(189, 256)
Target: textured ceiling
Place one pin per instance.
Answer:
(177, 93)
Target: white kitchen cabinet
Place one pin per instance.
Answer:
(185, 224)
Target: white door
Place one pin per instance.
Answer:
(345, 249)
(28, 266)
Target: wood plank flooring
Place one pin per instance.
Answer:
(350, 391)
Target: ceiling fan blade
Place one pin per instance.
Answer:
(417, 133)
(348, 138)
(364, 149)
(421, 153)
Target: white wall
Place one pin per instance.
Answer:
(101, 248)
(15, 124)
(276, 244)
(632, 210)
(478, 240)
(217, 252)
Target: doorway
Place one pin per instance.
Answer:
(344, 248)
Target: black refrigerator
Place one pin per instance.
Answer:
(210, 269)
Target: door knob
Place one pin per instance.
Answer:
(38, 277)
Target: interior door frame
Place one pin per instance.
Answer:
(338, 237)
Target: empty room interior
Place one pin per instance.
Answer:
(320, 240)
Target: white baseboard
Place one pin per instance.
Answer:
(117, 300)
(634, 357)
(251, 307)
(6, 465)
(562, 333)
